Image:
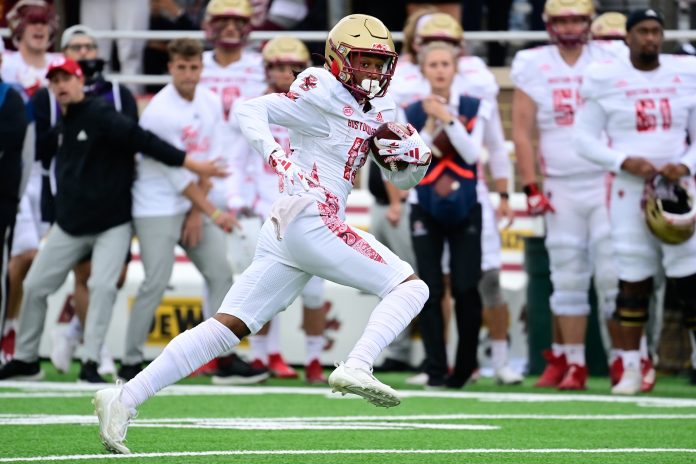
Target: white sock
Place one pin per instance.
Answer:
(273, 340)
(389, 318)
(499, 353)
(74, 329)
(631, 359)
(183, 355)
(575, 354)
(557, 349)
(613, 354)
(10, 325)
(259, 348)
(644, 347)
(314, 346)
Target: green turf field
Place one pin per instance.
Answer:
(287, 422)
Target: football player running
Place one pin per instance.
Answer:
(646, 106)
(330, 113)
(572, 200)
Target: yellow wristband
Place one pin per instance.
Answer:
(216, 214)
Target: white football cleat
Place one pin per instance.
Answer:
(360, 382)
(630, 382)
(63, 349)
(114, 418)
(506, 376)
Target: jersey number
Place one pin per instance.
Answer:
(228, 95)
(563, 107)
(646, 117)
(358, 148)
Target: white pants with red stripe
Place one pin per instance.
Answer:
(315, 242)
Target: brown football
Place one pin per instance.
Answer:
(390, 131)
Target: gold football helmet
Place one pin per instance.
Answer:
(285, 50)
(441, 27)
(31, 11)
(609, 26)
(554, 9)
(220, 9)
(352, 36)
(669, 211)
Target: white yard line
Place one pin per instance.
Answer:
(67, 390)
(82, 457)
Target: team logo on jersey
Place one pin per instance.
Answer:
(292, 95)
(310, 82)
(379, 117)
(347, 110)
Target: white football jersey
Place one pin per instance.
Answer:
(473, 78)
(647, 112)
(554, 87)
(188, 125)
(16, 71)
(328, 131)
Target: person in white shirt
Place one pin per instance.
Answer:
(330, 113)
(646, 106)
(185, 115)
(283, 58)
(33, 25)
(572, 201)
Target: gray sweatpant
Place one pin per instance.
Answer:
(398, 240)
(158, 236)
(59, 254)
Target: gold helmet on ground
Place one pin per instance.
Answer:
(669, 211)
(288, 50)
(352, 36)
(441, 27)
(609, 26)
(555, 9)
(220, 9)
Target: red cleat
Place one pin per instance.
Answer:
(575, 378)
(206, 369)
(649, 375)
(554, 372)
(279, 368)
(616, 371)
(314, 373)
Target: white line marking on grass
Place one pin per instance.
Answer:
(81, 457)
(58, 389)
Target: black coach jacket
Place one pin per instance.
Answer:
(95, 165)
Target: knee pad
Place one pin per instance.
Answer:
(680, 294)
(489, 289)
(632, 303)
(570, 275)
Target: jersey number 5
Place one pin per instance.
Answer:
(646, 117)
(563, 108)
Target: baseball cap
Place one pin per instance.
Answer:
(71, 32)
(66, 65)
(642, 15)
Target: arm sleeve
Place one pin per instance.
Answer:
(123, 131)
(689, 158)
(294, 112)
(587, 140)
(462, 141)
(494, 141)
(46, 136)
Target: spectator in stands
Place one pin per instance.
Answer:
(77, 43)
(497, 19)
(123, 16)
(95, 168)
(13, 127)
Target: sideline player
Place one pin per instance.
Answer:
(646, 106)
(339, 107)
(572, 200)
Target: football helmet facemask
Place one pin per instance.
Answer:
(556, 9)
(219, 10)
(28, 12)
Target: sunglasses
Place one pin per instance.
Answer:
(78, 47)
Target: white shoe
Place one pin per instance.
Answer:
(114, 418)
(63, 350)
(362, 383)
(106, 363)
(418, 379)
(630, 382)
(506, 376)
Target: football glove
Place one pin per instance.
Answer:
(412, 150)
(290, 177)
(537, 202)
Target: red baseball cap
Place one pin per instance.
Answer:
(66, 65)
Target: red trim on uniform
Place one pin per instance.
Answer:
(441, 166)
